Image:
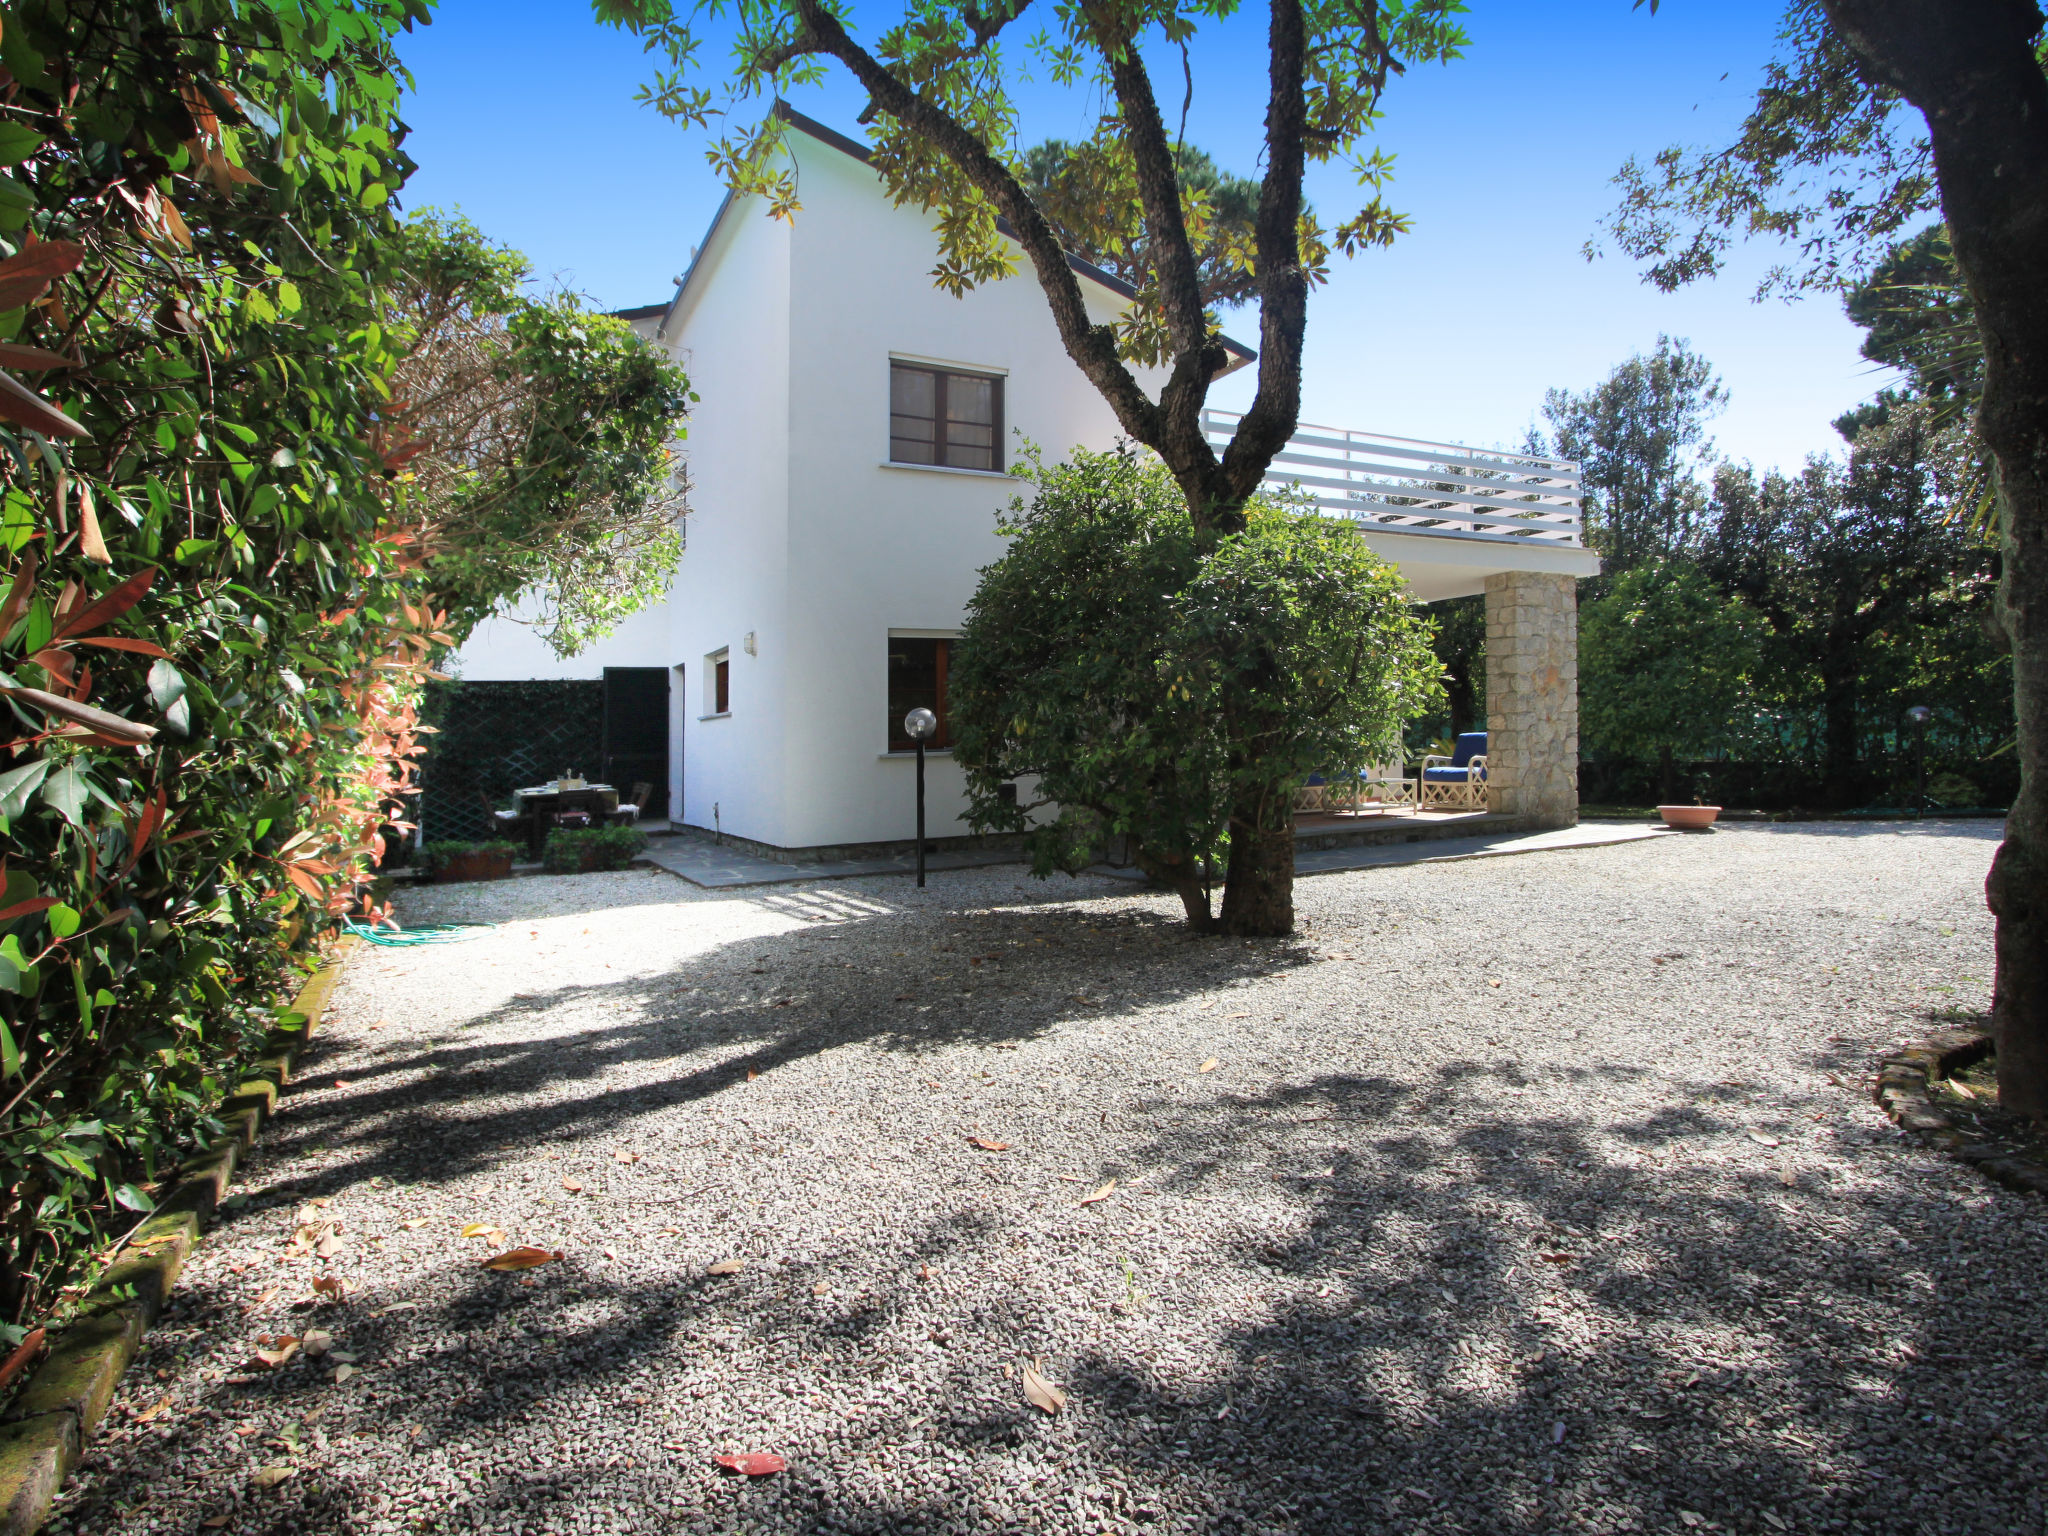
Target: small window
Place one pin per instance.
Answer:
(917, 679)
(718, 683)
(937, 417)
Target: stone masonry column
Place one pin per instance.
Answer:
(1532, 697)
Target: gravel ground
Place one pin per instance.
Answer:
(1536, 1194)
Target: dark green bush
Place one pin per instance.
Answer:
(570, 850)
(434, 855)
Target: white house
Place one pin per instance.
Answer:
(846, 467)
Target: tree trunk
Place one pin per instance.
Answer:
(1258, 891)
(1188, 882)
(1970, 67)
(1667, 776)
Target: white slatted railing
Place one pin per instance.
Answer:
(1408, 486)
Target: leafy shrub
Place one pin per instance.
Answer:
(1169, 685)
(570, 849)
(436, 856)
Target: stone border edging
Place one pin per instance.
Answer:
(63, 1400)
(1903, 1080)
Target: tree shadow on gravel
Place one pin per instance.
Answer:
(730, 1015)
(1513, 1323)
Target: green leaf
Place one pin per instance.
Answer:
(17, 142)
(65, 793)
(189, 550)
(10, 1053)
(134, 1199)
(18, 784)
(63, 920)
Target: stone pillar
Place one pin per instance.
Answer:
(1532, 697)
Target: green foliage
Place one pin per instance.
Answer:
(1152, 679)
(535, 439)
(1640, 436)
(569, 849)
(1825, 161)
(211, 561)
(437, 856)
(1666, 663)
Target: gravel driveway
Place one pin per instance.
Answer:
(1534, 1194)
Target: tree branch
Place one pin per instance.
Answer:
(1283, 285)
(1092, 347)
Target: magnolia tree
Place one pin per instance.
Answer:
(1156, 683)
(943, 123)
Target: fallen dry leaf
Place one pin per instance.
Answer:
(495, 1236)
(396, 1306)
(1041, 1393)
(1762, 1140)
(1209, 1066)
(342, 1373)
(986, 1145)
(726, 1267)
(155, 1411)
(1558, 1258)
(220, 1520)
(821, 1289)
(752, 1074)
(1493, 981)
(1240, 1015)
(574, 1186)
(924, 1271)
(329, 1244)
(753, 1464)
(1787, 1177)
(1101, 1192)
(415, 1223)
(329, 1287)
(269, 1292)
(317, 1342)
(272, 1353)
(523, 1258)
(270, 1476)
(309, 1213)
(623, 1156)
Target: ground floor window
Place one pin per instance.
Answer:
(718, 683)
(917, 679)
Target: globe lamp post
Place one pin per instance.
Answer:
(920, 725)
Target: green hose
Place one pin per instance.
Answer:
(439, 933)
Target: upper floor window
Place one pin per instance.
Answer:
(940, 417)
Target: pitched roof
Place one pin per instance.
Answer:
(811, 127)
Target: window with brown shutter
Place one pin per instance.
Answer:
(917, 680)
(940, 417)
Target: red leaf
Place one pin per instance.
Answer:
(19, 403)
(121, 643)
(20, 595)
(24, 1352)
(523, 1258)
(112, 605)
(23, 908)
(146, 827)
(47, 259)
(753, 1464)
(33, 359)
(304, 882)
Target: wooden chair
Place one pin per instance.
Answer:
(628, 813)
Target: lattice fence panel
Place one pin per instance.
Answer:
(498, 737)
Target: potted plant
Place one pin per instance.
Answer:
(1689, 818)
(452, 861)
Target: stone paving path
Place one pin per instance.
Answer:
(1517, 1195)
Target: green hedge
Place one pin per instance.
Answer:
(569, 849)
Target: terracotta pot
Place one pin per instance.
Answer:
(1689, 818)
(473, 866)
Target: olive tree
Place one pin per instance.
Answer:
(943, 122)
(1158, 681)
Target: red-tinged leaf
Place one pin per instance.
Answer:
(186, 837)
(1041, 1393)
(109, 606)
(24, 1352)
(523, 1258)
(126, 732)
(32, 359)
(20, 404)
(122, 643)
(753, 1463)
(47, 259)
(305, 882)
(986, 1145)
(148, 824)
(24, 908)
(20, 595)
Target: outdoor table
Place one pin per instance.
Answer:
(540, 804)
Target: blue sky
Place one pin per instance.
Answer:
(523, 119)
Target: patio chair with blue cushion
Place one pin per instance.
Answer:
(1457, 782)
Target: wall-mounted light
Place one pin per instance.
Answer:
(747, 644)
